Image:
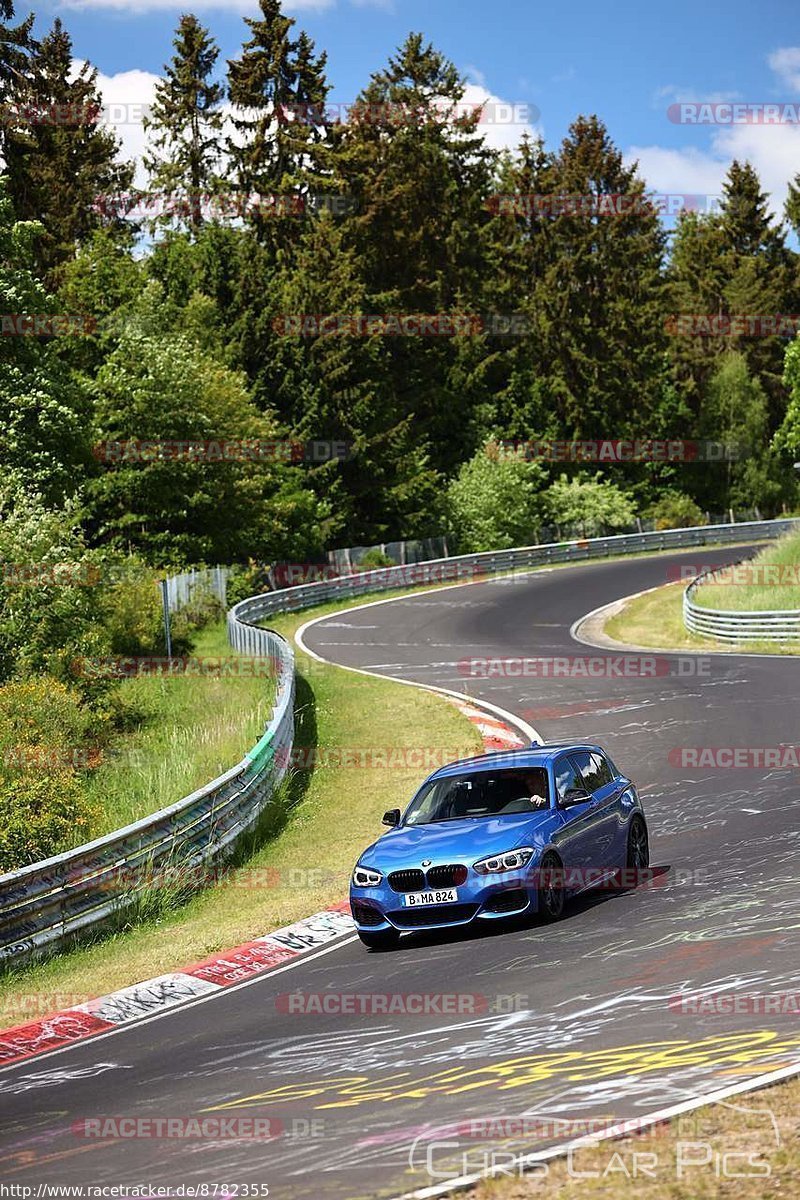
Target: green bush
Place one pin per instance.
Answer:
(42, 721)
(132, 612)
(41, 815)
(594, 506)
(375, 558)
(246, 581)
(494, 502)
(676, 510)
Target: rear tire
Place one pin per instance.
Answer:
(552, 895)
(379, 939)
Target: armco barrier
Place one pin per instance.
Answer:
(473, 566)
(44, 905)
(767, 625)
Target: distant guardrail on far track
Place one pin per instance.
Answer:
(732, 625)
(45, 905)
(494, 562)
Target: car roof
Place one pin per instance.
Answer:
(540, 755)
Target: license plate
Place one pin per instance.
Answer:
(425, 899)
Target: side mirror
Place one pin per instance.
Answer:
(392, 817)
(575, 796)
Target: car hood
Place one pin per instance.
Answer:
(456, 841)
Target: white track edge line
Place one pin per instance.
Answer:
(220, 990)
(629, 1126)
(527, 730)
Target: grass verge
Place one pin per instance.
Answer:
(655, 619)
(184, 730)
(774, 582)
(742, 1149)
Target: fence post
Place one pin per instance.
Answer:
(165, 605)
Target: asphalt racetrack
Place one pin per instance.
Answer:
(576, 1022)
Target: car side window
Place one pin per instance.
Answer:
(594, 770)
(602, 768)
(567, 778)
(587, 770)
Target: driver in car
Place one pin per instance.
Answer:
(536, 784)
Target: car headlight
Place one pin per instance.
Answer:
(512, 860)
(364, 877)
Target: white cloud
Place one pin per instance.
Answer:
(503, 122)
(687, 95)
(127, 97)
(678, 171)
(773, 150)
(786, 65)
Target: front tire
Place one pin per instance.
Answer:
(551, 892)
(638, 856)
(379, 939)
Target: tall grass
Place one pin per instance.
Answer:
(730, 594)
(182, 732)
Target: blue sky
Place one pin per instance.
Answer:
(626, 60)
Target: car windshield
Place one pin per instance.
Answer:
(480, 794)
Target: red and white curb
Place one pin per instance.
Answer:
(155, 996)
(496, 734)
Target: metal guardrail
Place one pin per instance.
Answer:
(732, 625)
(45, 905)
(473, 566)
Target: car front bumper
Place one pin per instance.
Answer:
(480, 898)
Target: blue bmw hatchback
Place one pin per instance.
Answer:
(500, 835)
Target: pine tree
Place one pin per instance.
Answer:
(599, 301)
(728, 264)
(278, 88)
(62, 162)
(419, 175)
(186, 122)
(16, 44)
(337, 387)
(518, 241)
